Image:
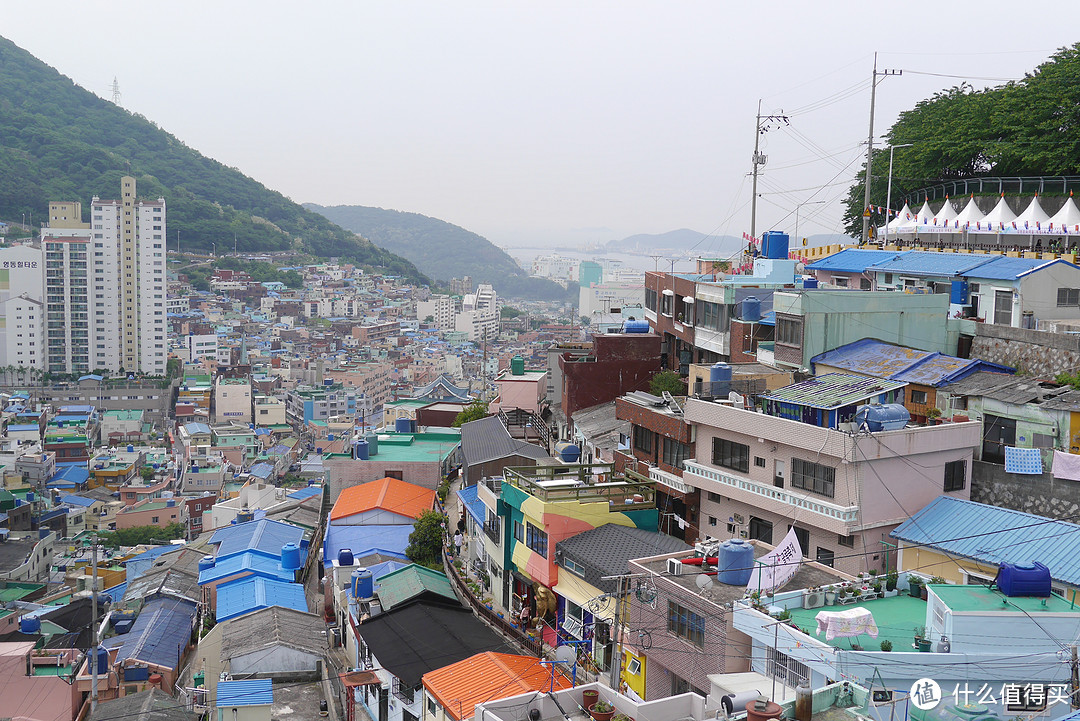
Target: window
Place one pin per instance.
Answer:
(955, 476)
(846, 541)
(918, 397)
(760, 530)
(715, 497)
(650, 299)
(712, 520)
(675, 453)
(1068, 297)
(519, 532)
(536, 540)
(432, 707)
(643, 439)
(803, 537)
(1025, 697)
(399, 475)
(573, 566)
(729, 454)
(865, 284)
(759, 462)
(789, 331)
(825, 557)
(153, 519)
(684, 623)
(840, 282)
(1003, 307)
(813, 477)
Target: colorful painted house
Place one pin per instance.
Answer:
(544, 505)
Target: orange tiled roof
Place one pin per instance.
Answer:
(488, 676)
(390, 494)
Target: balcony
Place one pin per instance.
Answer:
(493, 531)
(709, 477)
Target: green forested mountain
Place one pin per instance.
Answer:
(1025, 128)
(61, 142)
(443, 250)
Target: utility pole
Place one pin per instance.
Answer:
(616, 628)
(94, 623)
(759, 158)
(870, 146)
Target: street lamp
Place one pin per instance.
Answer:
(888, 190)
(809, 202)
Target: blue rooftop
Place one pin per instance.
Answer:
(1006, 268)
(852, 260)
(71, 474)
(923, 263)
(996, 535)
(245, 595)
(73, 500)
(878, 359)
(472, 503)
(304, 493)
(262, 470)
(252, 564)
(160, 633)
(365, 540)
(266, 537)
(251, 692)
(193, 428)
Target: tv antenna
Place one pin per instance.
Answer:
(115, 91)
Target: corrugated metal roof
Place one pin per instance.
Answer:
(407, 583)
(471, 502)
(264, 536)
(833, 390)
(487, 677)
(160, 633)
(1005, 268)
(852, 260)
(996, 535)
(884, 360)
(252, 692)
(250, 594)
(389, 494)
(365, 540)
(254, 564)
(914, 262)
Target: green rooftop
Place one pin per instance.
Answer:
(407, 403)
(409, 582)
(980, 599)
(16, 591)
(131, 415)
(896, 619)
(431, 447)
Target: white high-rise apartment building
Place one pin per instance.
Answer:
(22, 308)
(105, 285)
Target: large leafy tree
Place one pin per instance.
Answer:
(1026, 128)
(426, 540)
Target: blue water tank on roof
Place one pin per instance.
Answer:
(720, 380)
(206, 563)
(636, 326)
(809, 283)
(403, 425)
(131, 448)
(360, 450)
(1018, 579)
(102, 658)
(735, 562)
(290, 557)
(882, 417)
(363, 584)
(345, 557)
(29, 624)
(568, 452)
(774, 245)
(751, 309)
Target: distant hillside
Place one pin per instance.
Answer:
(61, 142)
(443, 250)
(683, 239)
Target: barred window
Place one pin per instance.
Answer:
(813, 477)
(730, 454)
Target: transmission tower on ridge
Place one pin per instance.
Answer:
(115, 91)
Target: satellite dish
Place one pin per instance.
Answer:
(565, 654)
(704, 582)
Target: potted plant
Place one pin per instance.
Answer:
(890, 584)
(589, 696)
(622, 717)
(915, 586)
(886, 645)
(933, 416)
(877, 588)
(921, 642)
(842, 595)
(784, 615)
(830, 596)
(937, 580)
(601, 711)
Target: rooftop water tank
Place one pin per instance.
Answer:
(636, 326)
(245, 515)
(102, 657)
(517, 366)
(751, 309)
(131, 448)
(330, 437)
(774, 245)
(372, 444)
(809, 283)
(170, 503)
(882, 417)
(290, 557)
(29, 624)
(720, 380)
(1018, 579)
(568, 452)
(363, 584)
(735, 562)
(345, 557)
(206, 563)
(360, 450)
(403, 425)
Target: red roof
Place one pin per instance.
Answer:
(389, 494)
(486, 677)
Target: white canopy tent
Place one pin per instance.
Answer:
(1032, 215)
(1000, 216)
(1066, 219)
(970, 214)
(946, 215)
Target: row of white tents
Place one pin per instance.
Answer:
(1033, 220)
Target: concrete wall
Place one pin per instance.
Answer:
(1042, 495)
(1031, 351)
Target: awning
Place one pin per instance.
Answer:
(580, 592)
(688, 299)
(667, 291)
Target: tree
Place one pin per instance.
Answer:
(426, 540)
(586, 321)
(667, 381)
(147, 473)
(508, 312)
(429, 319)
(142, 534)
(473, 412)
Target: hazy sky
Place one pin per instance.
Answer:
(538, 122)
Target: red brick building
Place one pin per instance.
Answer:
(619, 363)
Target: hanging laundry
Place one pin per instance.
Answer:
(1066, 466)
(1027, 461)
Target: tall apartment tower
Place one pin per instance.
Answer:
(108, 278)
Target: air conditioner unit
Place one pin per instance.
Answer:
(675, 567)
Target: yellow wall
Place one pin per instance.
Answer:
(635, 682)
